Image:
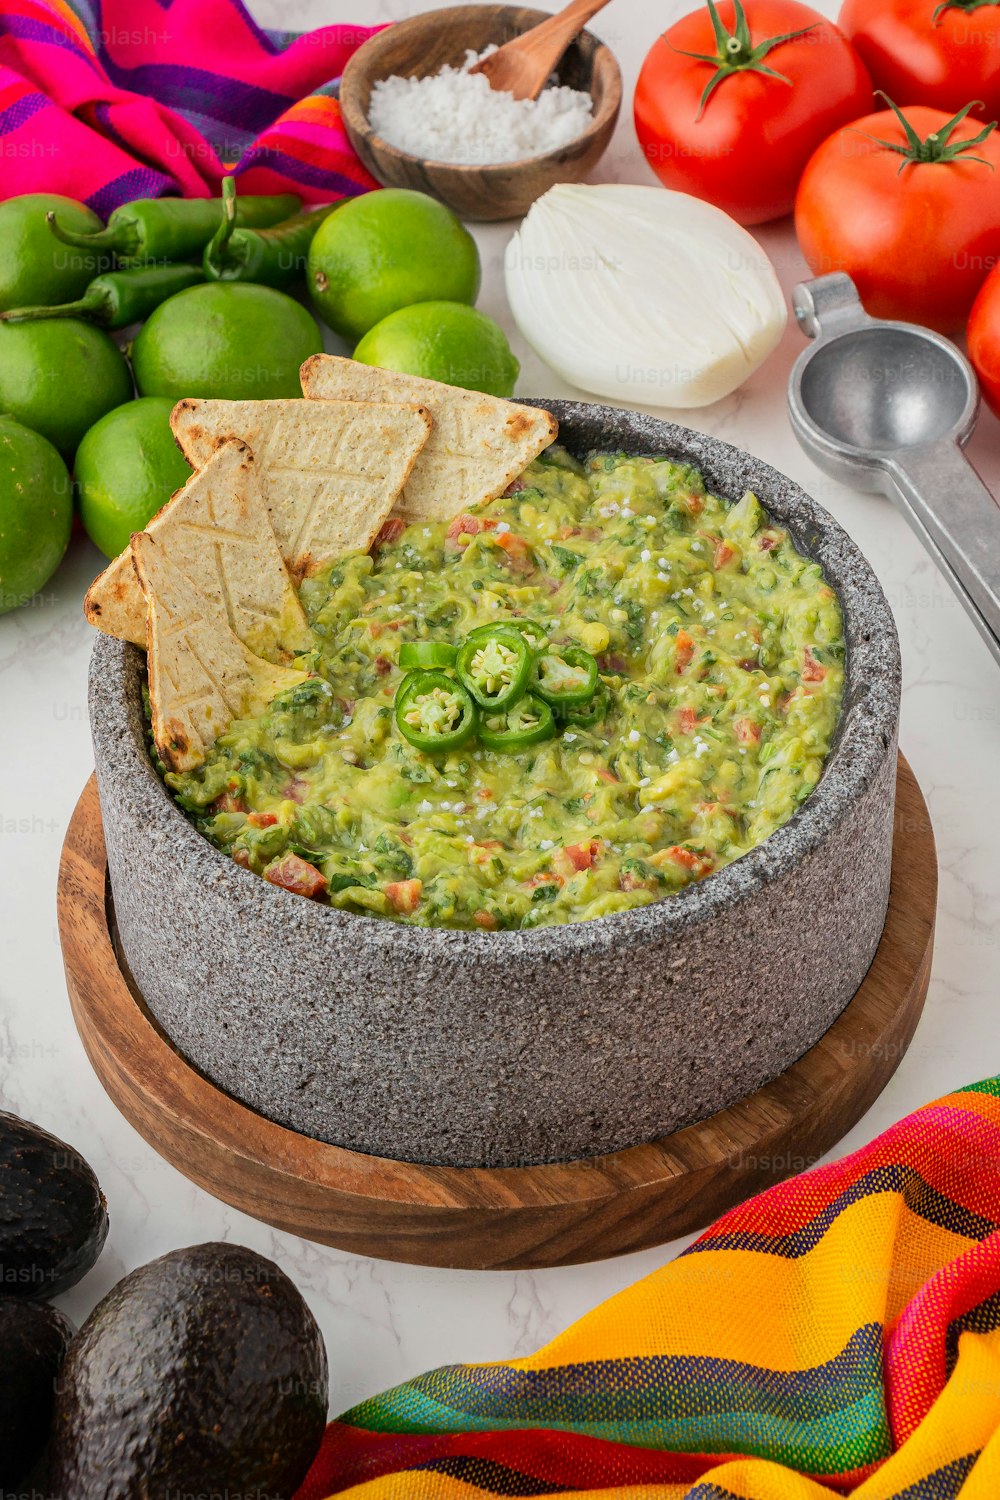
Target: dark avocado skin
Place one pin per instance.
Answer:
(201, 1372)
(33, 1343)
(53, 1215)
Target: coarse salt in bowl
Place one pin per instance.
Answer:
(455, 116)
(477, 188)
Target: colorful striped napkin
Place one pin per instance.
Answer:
(118, 99)
(837, 1335)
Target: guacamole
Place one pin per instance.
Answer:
(719, 673)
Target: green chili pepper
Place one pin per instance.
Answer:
(274, 256)
(434, 712)
(426, 654)
(117, 298)
(495, 664)
(529, 722)
(533, 633)
(166, 229)
(586, 715)
(567, 676)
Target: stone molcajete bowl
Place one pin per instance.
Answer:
(511, 1048)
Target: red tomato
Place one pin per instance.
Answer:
(984, 338)
(228, 802)
(296, 875)
(917, 236)
(684, 644)
(390, 531)
(519, 556)
(465, 526)
(699, 864)
(745, 150)
(812, 670)
(576, 857)
(747, 732)
(404, 895)
(919, 50)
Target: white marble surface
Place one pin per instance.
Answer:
(384, 1322)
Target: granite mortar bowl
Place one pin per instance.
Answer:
(511, 1048)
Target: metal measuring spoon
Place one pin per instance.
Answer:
(887, 407)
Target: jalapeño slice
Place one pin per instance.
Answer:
(495, 666)
(567, 677)
(529, 722)
(434, 712)
(532, 632)
(426, 655)
(586, 715)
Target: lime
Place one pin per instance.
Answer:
(58, 376)
(35, 269)
(387, 250)
(228, 340)
(36, 513)
(443, 341)
(127, 466)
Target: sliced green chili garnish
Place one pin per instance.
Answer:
(567, 676)
(529, 722)
(495, 666)
(426, 654)
(586, 715)
(434, 712)
(532, 632)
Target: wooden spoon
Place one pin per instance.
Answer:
(523, 67)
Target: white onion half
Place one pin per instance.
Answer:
(643, 295)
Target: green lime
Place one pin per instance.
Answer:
(36, 513)
(59, 376)
(443, 341)
(35, 268)
(387, 250)
(228, 340)
(127, 466)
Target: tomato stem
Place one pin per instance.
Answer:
(965, 6)
(736, 51)
(938, 146)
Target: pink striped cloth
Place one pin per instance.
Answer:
(110, 100)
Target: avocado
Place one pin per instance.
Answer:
(201, 1372)
(53, 1215)
(33, 1343)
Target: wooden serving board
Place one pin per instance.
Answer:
(501, 1217)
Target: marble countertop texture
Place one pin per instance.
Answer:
(385, 1322)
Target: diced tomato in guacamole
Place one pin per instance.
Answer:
(296, 875)
(404, 895)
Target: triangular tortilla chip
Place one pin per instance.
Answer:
(201, 677)
(218, 533)
(330, 474)
(114, 604)
(478, 444)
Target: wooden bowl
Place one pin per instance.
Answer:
(422, 45)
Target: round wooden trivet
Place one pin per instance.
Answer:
(506, 1217)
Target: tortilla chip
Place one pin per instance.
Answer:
(330, 473)
(114, 603)
(201, 677)
(478, 444)
(218, 533)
